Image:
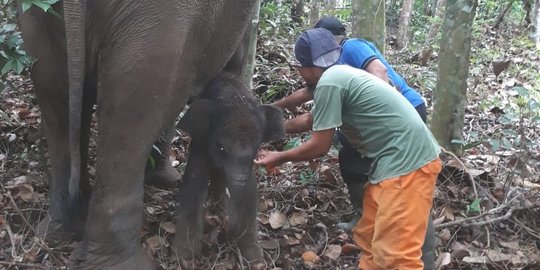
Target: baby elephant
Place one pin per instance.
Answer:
(227, 125)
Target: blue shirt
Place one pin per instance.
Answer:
(359, 53)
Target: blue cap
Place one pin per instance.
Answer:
(316, 48)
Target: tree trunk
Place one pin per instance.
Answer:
(502, 14)
(451, 91)
(535, 29)
(404, 19)
(313, 12)
(369, 21)
(427, 8)
(426, 53)
(330, 6)
(297, 11)
(251, 47)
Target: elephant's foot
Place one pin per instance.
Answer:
(164, 175)
(188, 246)
(54, 230)
(253, 254)
(83, 258)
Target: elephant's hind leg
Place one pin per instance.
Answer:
(44, 39)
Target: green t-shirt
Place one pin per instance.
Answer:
(376, 119)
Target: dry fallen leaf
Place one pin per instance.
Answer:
(269, 244)
(152, 243)
(298, 218)
(293, 241)
(445, 235)
(168, 227)
(310, 258)
(349, 248)
(277, 220)
(333, 251)
(26, 192)
(263, 219)
(444, 258)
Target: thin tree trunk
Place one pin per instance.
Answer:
(502, 14)
(330, 6)
(404, 19)
(426, 53)
(535, 29)
(313, 12)
(451, 92)
(297, 11)
(369, 21)
(251, 47)
(434, 7)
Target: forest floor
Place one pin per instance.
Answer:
(486, 206)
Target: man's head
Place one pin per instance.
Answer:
(331, 24)
(315, 51)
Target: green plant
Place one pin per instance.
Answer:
(12, 56)
(307, 176)
(275, 19)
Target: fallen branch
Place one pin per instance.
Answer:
(464, 222)
(25, 265)
(39, 242)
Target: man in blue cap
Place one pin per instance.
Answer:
(381, 125)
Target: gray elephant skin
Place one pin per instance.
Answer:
(227, 125)
(138, 61)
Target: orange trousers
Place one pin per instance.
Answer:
(394, 221)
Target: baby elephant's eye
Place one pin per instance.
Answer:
(221, 148)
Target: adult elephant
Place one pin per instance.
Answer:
(138, 61)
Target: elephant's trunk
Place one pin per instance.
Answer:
(75, 24)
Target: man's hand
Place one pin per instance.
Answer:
(269, 159)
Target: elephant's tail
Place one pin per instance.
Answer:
(75, 25)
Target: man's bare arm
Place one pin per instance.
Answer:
(299, 124)
(295, 99)
(377, 68)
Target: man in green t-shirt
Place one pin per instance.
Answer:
(384, 127)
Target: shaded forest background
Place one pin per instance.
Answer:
(486, 207)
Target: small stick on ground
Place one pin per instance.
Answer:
(25, 265)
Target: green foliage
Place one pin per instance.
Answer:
(13, 58)
(275, 19)
(292, 143)
(308, 176)
(474, 207)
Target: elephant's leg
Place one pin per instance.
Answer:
(44, 38)
(189, 213)
(134, 103)
(243, 230)
(161, 173)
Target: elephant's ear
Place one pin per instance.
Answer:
(274, 128)
(196, 120)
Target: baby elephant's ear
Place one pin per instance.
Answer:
(196, 120)
(273, 124)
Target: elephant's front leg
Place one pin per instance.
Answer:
(243, 229)
(191, 196)
(131, 113)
